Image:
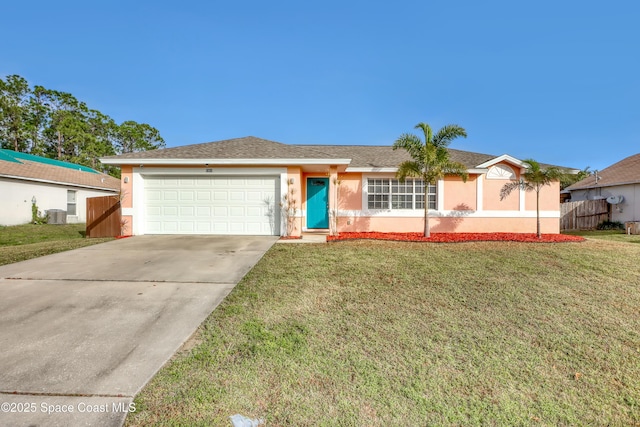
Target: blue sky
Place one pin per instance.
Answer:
(557, 81)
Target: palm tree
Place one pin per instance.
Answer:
(430, 159)
(533, 179)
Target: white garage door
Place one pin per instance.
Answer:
(212, 205)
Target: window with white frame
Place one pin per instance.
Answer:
(71, 202)
(388, 193)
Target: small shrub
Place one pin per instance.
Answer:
(610, 225)
(36, 215)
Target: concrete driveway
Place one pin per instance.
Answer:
(81, 332)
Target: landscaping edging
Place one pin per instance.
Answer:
(458, 237)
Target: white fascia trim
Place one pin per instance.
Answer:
(418, 213)
(211, 171)
(212, 162)
(371, 169)
(66, 184)
(504, 157)
(394, 170)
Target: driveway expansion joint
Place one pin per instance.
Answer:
(28, 393)
(119, 281)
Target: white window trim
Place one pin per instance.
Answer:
(400, 213)
(75, 203)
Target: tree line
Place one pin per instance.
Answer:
(57, 125)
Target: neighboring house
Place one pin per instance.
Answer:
(619, 179)
(237, 186)
(52, 184)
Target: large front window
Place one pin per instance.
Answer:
(387, 193)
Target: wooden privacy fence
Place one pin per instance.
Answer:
(103, 216)
(583, 215)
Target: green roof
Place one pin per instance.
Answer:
(16, 157)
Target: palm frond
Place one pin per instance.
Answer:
(427, 131)
(447, 134)
(409, 142)
(509, 187)
(538, 176)
(456, 168)
(408, 169)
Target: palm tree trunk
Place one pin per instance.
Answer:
(427, 230)
(538, 214)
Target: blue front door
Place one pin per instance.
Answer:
(317, 202)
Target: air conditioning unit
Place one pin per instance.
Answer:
(56, 216)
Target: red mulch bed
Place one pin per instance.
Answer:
(290, 237)
(459, 237)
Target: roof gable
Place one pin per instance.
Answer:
(504, 158)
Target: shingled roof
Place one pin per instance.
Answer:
(251, 147)
(384, 156)
(28, 167)
(626, 171)
(248, 147)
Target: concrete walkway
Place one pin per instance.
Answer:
(306, 238)
(82, 332)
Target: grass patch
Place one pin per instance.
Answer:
(611, 235)
(22, 242)
(390, 333)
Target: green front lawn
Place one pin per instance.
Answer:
(22, 242)
(612, 235)
(388, 333)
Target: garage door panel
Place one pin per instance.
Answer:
(154, 211)
(168, 211)
(154, 227)
(236, 196)
(170, 195)
(170, 226)
(220, 211)
(211, 205)
(220, 196)
(154, 195)
(187, 196)
(202, 196)
(187, 211)
(203, 211)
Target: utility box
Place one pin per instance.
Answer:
(56, 216)
(632, 227)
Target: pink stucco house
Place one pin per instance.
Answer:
(243, 186)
